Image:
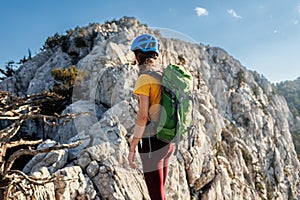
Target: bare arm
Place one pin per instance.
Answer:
(139, 128)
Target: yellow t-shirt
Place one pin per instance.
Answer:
(150, 87)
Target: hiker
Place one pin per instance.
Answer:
(155, 154)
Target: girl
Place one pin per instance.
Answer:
(154, 153)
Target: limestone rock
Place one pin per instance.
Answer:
(91, 112)
(242, 144)
(70, 183)
(53, 161)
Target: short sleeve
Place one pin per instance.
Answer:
(142, 85)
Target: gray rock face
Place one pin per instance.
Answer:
(242, 148)
(53, 161)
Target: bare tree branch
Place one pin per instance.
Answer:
(14, 111)
(13, 174)
(23, 142)
(22, 152)
(9, 132)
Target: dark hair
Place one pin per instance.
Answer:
(142, 56)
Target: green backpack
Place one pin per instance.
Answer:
(175, 118)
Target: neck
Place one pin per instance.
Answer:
(142, 68)
(149, 64)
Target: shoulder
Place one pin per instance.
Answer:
(147, 78)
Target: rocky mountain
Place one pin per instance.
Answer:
(291, 92)
(242, 145)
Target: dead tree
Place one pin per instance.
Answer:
(14, 111)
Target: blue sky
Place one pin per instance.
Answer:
(263, 35)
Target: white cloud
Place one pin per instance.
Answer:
(298, 8)
(201, 11)
(234, 14)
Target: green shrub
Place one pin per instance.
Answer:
(79, 42)
(255, 90)
(247, 157)
(66, 79)
(9, 70)
(53, 41)
(181, 60)
(240, 77)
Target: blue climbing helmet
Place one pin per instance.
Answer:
(146, 43)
